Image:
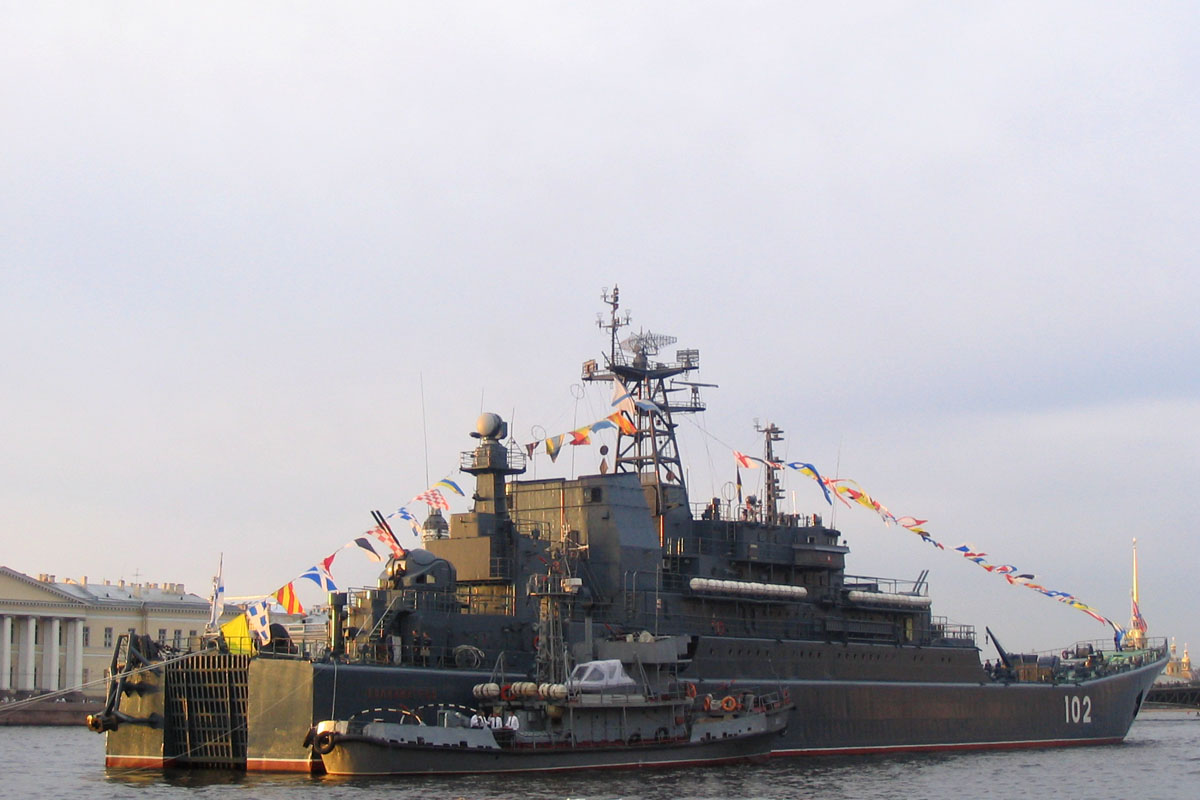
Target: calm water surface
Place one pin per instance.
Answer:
(1159, 760)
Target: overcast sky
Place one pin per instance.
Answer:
(949, 248)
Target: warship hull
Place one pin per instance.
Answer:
(273, 703)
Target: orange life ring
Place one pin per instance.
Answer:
(506, 692)
(691, 689)
(730, 703)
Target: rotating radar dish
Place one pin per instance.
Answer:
(646, 342)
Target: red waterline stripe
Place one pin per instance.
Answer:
(284, 765)
(922, 748)
(137, 762)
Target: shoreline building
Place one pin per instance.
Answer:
(1178, 670)
(57, 635)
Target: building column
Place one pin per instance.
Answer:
(50, 634)
(74, 678)
(5, 652)
(26, 664)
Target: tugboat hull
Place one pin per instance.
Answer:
(371, 757)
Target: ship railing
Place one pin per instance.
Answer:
(1106, 648)
(943, 630)
(685, 360)
(412, 649)
(742, 545)
(718, 510)
(643, 618)
(835, 628)
(1084, 660)
(408, 599)
(532, 528)
(867, 583)
(622, 695)
(515, 460)
(297, 649)
(552, 585)
(698, 545)
(485, 599)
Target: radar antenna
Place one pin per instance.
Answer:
(645, 343)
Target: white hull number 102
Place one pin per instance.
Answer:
(1078, 709)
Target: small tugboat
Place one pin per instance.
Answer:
(583, 730)
(599, 716)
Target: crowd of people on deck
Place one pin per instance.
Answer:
(495, 721)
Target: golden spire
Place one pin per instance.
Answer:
(1136, 635)
(1135, 575)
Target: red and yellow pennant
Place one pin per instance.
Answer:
(287, 598)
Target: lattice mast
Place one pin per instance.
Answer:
(652, 449)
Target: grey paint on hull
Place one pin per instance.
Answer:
(833, 716)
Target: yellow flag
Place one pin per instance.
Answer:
(237, 634)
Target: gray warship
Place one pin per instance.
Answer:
(756, 595)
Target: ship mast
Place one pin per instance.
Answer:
(771, 433)
(651, 450)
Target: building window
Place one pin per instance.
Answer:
(178, 638)
(108, 636)
(162, 635)
(87, 636)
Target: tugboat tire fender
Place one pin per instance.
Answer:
(323, 744)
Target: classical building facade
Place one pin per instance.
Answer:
(60, 635)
